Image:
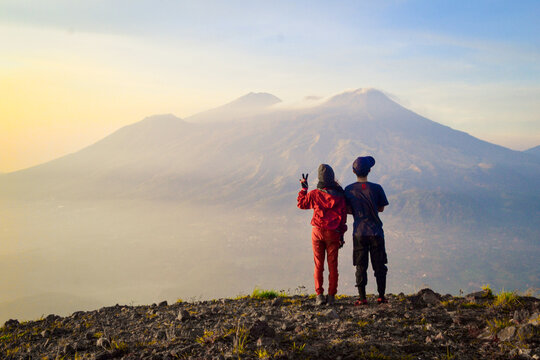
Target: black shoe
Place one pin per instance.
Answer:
(320, 300)
(330, 300)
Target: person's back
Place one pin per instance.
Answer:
(365, 200)
(329, 224)
(329, 208)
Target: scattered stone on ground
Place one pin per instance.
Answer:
(425, 325)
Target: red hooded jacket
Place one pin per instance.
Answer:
(329, 210)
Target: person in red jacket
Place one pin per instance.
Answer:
(329, 225)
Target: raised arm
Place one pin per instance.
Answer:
(304, 199)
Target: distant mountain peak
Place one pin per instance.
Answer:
(359, 97)
(255, 100)
(162, 117)
(242, 107)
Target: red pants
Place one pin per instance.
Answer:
(325, 241)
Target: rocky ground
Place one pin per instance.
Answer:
(425, 325)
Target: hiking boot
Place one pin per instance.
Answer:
(360, 302)
(381, 300)
(330, 300)
(320, 300)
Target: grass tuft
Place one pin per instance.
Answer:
(448, 355)
(471, 305)
(362, 323)
(120, 346)
(506, 300)
(297, 349)
(262, 354)
(241, 297)
(449, 303)
(497, 325)
(240, 339)
(207, 337)
(264, 294)
(488, 292)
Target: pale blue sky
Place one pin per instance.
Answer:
(472, 65)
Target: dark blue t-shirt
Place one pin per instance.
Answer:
(364, 199)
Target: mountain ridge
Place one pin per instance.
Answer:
(534, 151)
(155, 131)
(462, 210)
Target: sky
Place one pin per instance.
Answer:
(73, 71)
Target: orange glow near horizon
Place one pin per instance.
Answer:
(49, 110)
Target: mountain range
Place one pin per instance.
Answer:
(211, 198)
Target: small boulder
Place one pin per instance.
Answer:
(103, 342)
(534, 319)
(68, 349)
(331, 314)
(507, 333)
(51, 318)
(430, 297)
(485, 335)
(183, 315)
(163, 303)
(77, 315)
(277, 301)
(482, 294)
(261, 329)
(11, 323)
(520, 316)
(264, 342)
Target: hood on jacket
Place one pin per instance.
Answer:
(326, 174)
(327, 180)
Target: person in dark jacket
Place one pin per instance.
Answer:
(365, 200)
(329, 225)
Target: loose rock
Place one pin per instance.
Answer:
(416, 326)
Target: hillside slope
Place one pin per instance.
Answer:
(425, 325)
